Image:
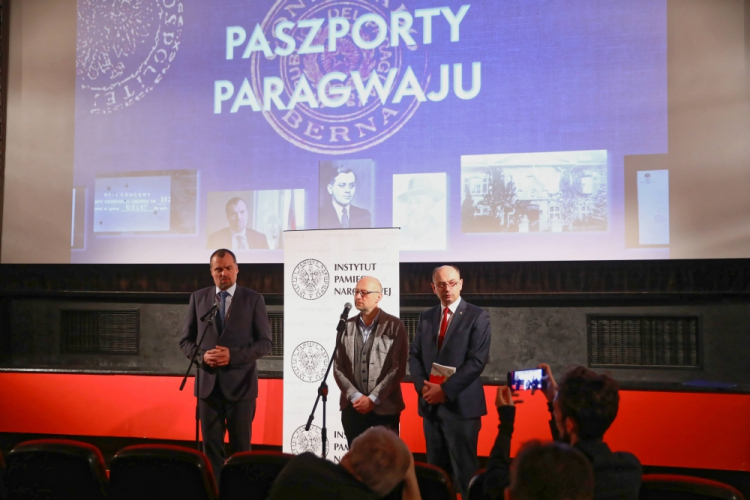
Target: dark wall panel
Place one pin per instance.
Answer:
(537, 279)
(522, 337)
(35, 339)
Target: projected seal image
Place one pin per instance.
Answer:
(124, 49)
(342, 67)
(309, 361)
(311, 440)
(310, 279)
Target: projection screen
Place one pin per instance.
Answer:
(487, 131)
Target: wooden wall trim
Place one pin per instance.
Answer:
(589, 279)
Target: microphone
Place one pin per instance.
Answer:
(344, 316)
(347, 308)
(211, 311)
(323, 389)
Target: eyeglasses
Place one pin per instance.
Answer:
(446, 284)
(363, 293)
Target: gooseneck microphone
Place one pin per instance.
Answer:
(344, 316)
(213, 310)
(323, 389)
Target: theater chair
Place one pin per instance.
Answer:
(248, 475)
(2, 478)
(434, 482)
(674, 487)
(476, 486)
(57, 469)
(161, 472)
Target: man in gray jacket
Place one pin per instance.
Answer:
(370, 364)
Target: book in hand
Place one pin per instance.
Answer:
(441, 373)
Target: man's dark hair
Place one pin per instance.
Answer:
(551, 471)
(234, 201)
(221, 253)
(591, 400)
(338, 171)
(445, 265)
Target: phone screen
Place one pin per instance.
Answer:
(524, 380)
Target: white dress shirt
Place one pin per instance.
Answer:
(340, 210)
(452, 308)
(236, 244)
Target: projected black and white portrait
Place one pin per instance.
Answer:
(346, 194)
(534, 192)
(419, 209)
(246, 220)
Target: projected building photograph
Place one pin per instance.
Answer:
(347, 194)
(534, 192)
(253, 220)
(419, 209)
(153, 202)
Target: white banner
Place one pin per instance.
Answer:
(321, 270)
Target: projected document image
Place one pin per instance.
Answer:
(346, 194)
(534, 192)
(145, 202)
(253, 220)
(132, 204)
(419, 209)
(653, 207)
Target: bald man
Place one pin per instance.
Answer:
(457, 334)
(370, 364)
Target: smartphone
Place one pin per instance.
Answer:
(524, 380)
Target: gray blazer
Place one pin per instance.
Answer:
(390, 349)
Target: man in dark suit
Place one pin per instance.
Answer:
(237, 236)
(338, 211)
(454, 334)
(227, 379)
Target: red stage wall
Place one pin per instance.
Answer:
(693, 430)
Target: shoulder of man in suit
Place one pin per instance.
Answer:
(356, 208)
(247, 291)
(429, 314)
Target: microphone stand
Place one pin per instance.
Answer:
(209, 322)
(323, 391)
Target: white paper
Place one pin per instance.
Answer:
(653, 207)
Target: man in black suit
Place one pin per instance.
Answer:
(227, 379)
(237, 236)
(454, 334)
(338, 211)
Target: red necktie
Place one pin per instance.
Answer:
(443, 328)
